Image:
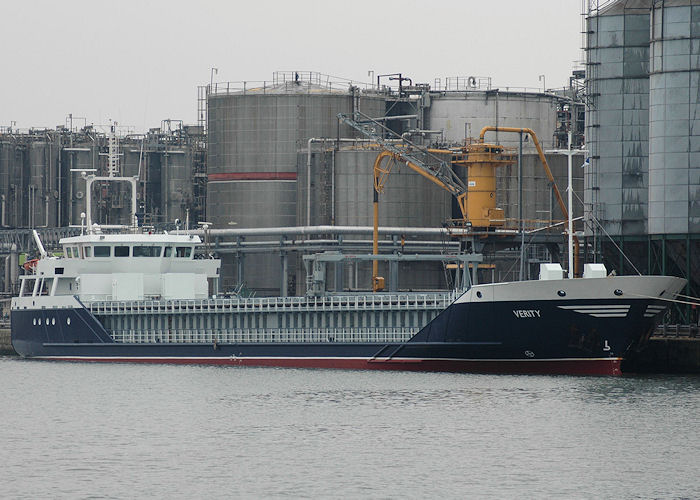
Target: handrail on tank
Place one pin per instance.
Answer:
(543, 159)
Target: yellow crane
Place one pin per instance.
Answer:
(476, 199)
(547, 170)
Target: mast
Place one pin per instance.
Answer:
(113, 175)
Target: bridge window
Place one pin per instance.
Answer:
(102, 251)
(69, 252)
(121, 251)
(87, 251)
(168, 251)
(183, 251)
(144, 251)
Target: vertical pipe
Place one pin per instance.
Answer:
(240, 258)
(308, 180)
(165, 194)
(134, 189)
(333, 187)
(31, 206)
(338, 268)
(60, 185)
(7, 275)
(570, 207)
(70, 179)
(520, 206)
(14, 266)
(375, 239)
(285, 271)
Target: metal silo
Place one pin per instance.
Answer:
(674, 114)
(42, 189)
(254, 133)
(342, 192)
(6, 157)
(176, 181)
(617, 115)
(462, 111)
(80, 157)
(342, 184)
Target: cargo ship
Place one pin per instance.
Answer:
(139, 297)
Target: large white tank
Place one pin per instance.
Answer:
(462, 114)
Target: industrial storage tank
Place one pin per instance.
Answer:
(674, 114)
(342, 193)
(7, 154)
(254, 133)
(617, 116)
(463, 109)
(540, 206)
(42, 191)
(176, 181)
(77, 158)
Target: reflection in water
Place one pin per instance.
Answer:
(80, 430)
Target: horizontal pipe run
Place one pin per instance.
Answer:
(313, 230)
(329, 245)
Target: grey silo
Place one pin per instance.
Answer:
(617, 117)
(409, 200)
(253, 139)
(539, 203)
(463, 113)
(42, 188)
(6, 159)
(342, 193)
(82, 158)
(674, 156)
(177, 182)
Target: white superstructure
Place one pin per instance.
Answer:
(124, 267)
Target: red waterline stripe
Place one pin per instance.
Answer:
(536, 367)
(253, 176)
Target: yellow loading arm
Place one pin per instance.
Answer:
(381, 174)
(547, 170)
(416, 157)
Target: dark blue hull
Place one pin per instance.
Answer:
(494, 337)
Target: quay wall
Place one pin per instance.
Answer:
(670, 350)
(5, 343)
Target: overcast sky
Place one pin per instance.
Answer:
(138, 62)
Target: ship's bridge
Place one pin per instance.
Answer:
(124, 267)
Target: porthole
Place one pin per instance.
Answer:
(561, 293)
(53, 321)
(34, 321)
(68, 321)
(618, 292)
(478, 294)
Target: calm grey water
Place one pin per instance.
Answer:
(73, 430)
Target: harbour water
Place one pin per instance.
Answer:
(75, 430)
